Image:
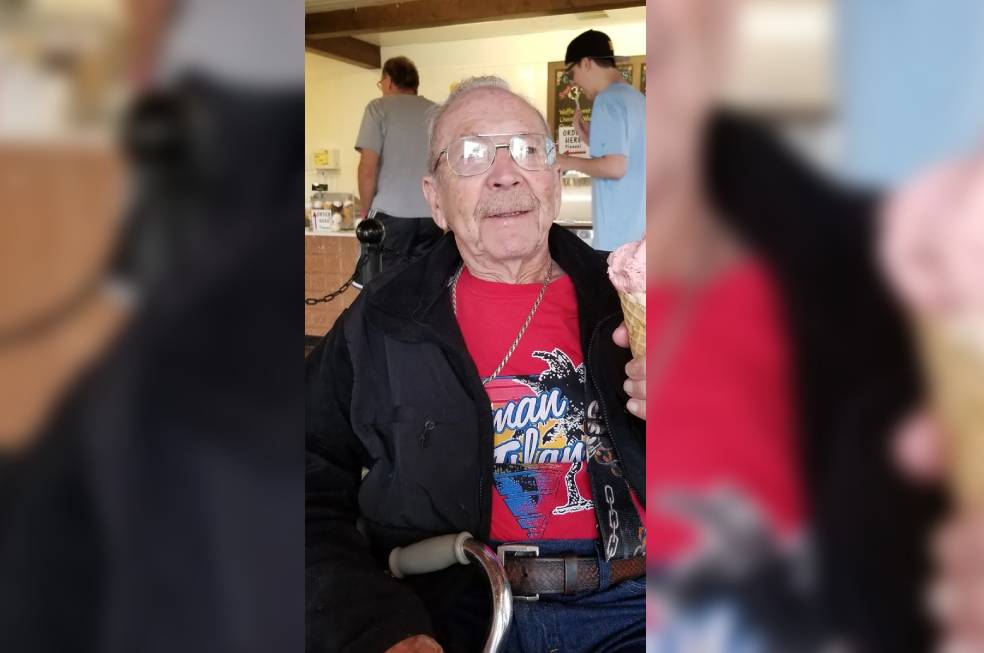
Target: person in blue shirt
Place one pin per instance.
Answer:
(616, 140)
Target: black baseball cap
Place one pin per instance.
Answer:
(592, 44)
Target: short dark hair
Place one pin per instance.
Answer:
(603, 62)
(402, 72)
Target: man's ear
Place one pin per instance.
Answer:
(429, 184)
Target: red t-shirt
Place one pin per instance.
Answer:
(541, 489)
(721, 434)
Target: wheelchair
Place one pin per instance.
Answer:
(436, 553)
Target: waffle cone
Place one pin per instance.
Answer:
(953, 354)
(635, 321)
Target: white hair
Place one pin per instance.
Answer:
(462, 89)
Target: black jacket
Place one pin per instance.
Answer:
(856, 376)
(160, 508)
(393, 363)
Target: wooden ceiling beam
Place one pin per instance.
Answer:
(347, 49)
(417, 14)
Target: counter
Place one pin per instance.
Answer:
(348, 233)
(329, 260)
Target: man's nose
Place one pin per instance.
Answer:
(504, 172)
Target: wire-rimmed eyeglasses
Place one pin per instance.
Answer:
(473, 155)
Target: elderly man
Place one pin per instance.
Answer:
(484, 389)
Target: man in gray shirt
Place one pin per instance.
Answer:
(393, 145)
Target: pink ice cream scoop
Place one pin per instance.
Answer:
(627, 268)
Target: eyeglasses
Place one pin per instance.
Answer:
(473, 155)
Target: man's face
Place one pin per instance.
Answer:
(503, 214)
(581, 74)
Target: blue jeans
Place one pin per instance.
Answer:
(609, 620)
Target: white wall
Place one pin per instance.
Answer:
(336, 93)
(521, 60)
(112, 9)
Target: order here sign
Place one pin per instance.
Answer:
(568, 142)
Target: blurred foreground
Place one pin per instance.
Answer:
(150, 416)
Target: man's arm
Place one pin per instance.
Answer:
(581, 127)
(368, 176)
(351, 604)
(609, 133)
(610, 166)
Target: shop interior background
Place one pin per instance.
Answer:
(338, 89)
(62, 91)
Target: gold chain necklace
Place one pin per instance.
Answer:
(522, 330)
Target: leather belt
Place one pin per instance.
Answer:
(530, 575)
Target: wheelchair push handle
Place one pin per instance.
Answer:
(441, 552)
(429, 555)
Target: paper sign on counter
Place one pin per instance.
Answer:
(568, 142)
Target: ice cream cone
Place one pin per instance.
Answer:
(635, 320)
(627, 271)
(953, 353)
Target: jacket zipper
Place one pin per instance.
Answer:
(422, 438)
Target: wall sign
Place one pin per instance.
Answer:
(563, 98)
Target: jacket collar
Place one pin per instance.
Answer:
(413, 303)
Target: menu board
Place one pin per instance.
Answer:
(567, 97)
(563, 98)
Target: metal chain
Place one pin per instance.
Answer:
(522, 330)
(311, 301)
(611, 547)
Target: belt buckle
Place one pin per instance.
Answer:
(522, 551)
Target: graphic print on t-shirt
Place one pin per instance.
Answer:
(540, 456)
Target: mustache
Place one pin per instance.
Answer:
(508, 202)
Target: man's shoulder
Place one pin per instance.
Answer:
(404, 108)
(636, 97)
(375, 106)
(606, 102)
(621, 93)
(350, 317)
(425, 106)
(402, 100)
(600, 261)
